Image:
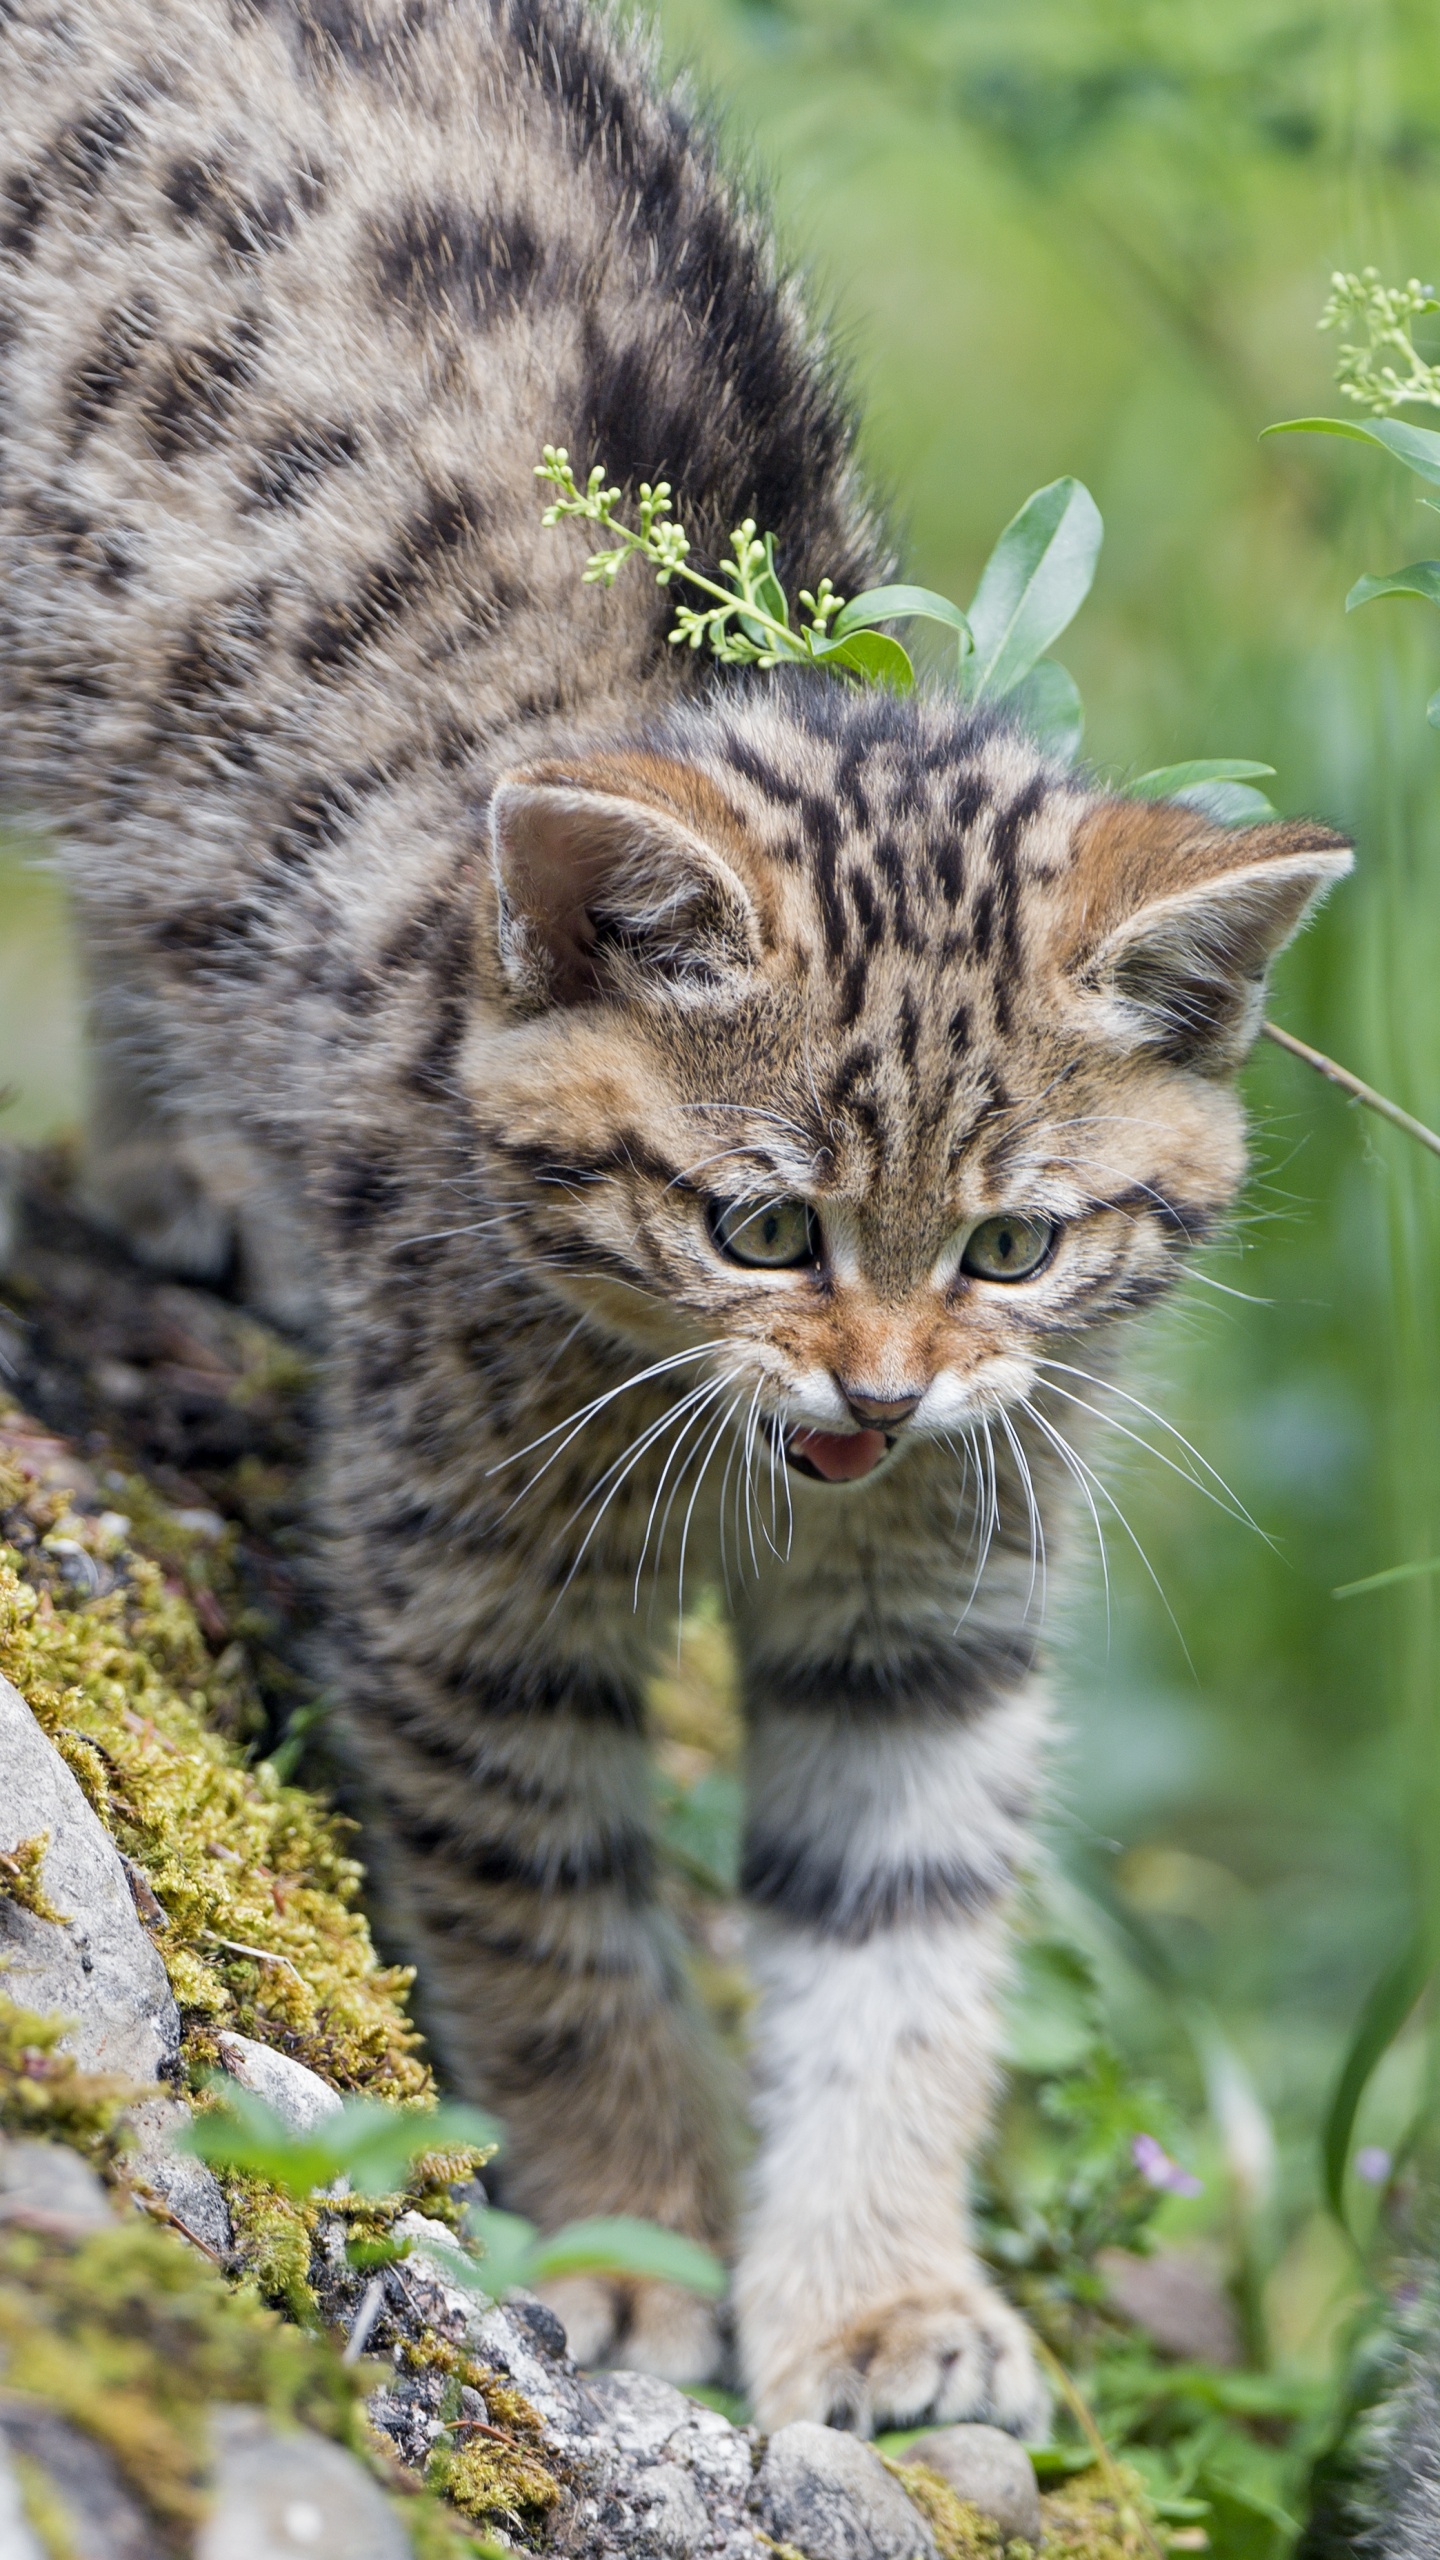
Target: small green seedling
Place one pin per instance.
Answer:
(374, 2147)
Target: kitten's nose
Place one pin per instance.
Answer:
(880, 1411)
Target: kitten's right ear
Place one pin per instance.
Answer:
(601, 893)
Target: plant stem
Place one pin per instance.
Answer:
(1353, 1085)
(1079, 2407)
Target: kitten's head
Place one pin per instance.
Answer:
(847, 1037)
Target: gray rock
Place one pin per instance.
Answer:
(291, 2497)
(296, 2093)
(17, 2542)
(49, 2187)
(637, 2410)
(673, 2516)
(989, 2468)
(105, 2522)
(183, 2184)
(99, 1968)
(832, 2496)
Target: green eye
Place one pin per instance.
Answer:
(775, 1237)
(1008, 1248)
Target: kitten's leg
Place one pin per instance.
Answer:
(887, 1804)
(512, 1794)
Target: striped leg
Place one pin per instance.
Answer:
(511, 1797)
(888, 1796)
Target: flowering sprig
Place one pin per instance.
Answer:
(1381, 371)
(747, 621)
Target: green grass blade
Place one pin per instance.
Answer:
(1380, 2022)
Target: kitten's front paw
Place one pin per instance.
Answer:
(647, 2328)
(923, 2358)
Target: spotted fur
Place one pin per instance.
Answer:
(460, 951)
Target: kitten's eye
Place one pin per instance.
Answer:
(775, 1237)
(1008, 1248)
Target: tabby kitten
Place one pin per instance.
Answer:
(703, 1117)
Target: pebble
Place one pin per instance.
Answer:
(291, 2497)
(296, 2093)
(47, 2187)
(990, 2470)
(832, 2497)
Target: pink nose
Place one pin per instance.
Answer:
(880, 1410)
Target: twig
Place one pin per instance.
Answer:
(152, 2204)
(482, 2427)
(1079, 2407)
(1353, 1085)
(261, 1955)
(371, 2304)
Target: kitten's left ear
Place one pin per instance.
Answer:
(1180, 920)
(604, 893)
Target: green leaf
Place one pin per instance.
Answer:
(1392, 1572)
(370, 2144)
(1422, 579)
(1167, 779)
(899, 604)
(1052, 2017)
(1033, 584)
(1048, 707)
(507, 2245)
(1417, 447)
(1432, 710)
(619, 2244)
(872, 655)
(1380, 2021)
(1230, 804)
(700, 1829)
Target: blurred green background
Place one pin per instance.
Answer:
(1094, 236)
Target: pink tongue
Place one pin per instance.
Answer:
(840, 1456)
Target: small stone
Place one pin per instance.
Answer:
(833, 2498)
(1178, 2298)
(639, 2411)
(296, 2093)
(675, 2519)
(100, 2517)
(545, 2326)
(990, 2470)
(48, 2187)
(99, 1967)
(278, 2497)
(184, 2185)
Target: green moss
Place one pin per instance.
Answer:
(22, 1881)
(484, 2479)
(43, 2091)
(1083, 2521)
(255, 1885)
(131, 2336)
(961, 2531)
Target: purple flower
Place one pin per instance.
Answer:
(1372, 2164)
(1158, 2169)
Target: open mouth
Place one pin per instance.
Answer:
(836, 1457)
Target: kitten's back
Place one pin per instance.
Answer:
(289, 299)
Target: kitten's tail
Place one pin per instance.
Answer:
(1375, 2487)
(1407, 2523)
